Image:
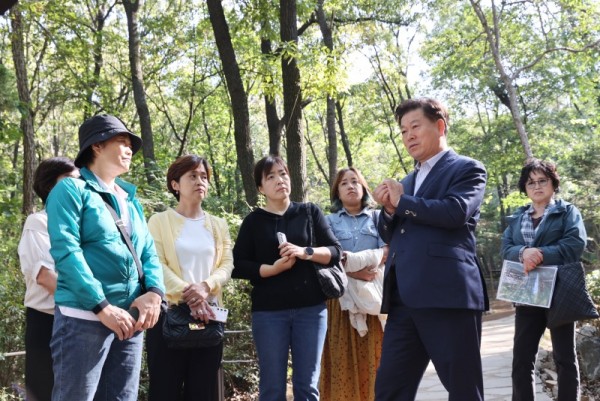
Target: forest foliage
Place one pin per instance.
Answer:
(315, 81)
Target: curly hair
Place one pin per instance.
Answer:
(539, 166)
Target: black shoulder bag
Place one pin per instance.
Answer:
(333, 279)
(571, 301)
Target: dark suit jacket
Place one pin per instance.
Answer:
(432, 238)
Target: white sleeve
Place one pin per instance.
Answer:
(34, 250)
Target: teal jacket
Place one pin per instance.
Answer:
(561, 235)
(95, 267)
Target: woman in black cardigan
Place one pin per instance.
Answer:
(288, 306)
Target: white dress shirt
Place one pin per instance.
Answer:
(423, 169)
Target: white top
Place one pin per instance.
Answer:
(195, 248)
(121, 196)
(34, 253)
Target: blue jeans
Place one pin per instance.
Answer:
(276, 332)
(91, 363)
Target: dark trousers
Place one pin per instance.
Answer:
(38, 358)
(450, 338)
(530, 324)
(181, 375)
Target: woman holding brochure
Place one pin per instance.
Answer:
(545, 232)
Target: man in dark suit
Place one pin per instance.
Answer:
(433, 292)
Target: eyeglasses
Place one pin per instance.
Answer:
(542, 183)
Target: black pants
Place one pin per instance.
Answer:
(181, 375)
(450, 338)
(530, 324)
(38, 358)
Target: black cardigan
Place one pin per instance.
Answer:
(257, 244)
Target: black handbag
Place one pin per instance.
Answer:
(332, 279)
(181, 331)
(570, 300)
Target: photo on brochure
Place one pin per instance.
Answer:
(534, 288)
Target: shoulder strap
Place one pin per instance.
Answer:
(310, 224)
(125, 236)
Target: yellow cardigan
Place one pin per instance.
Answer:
(165, 228)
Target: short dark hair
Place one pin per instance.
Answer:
(182, 165)
(47, 173)
(336, 202)
(539, 166)
(432, 108)
(86, 157)
(264, 166)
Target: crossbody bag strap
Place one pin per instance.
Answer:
(310, 224)
(127, 239)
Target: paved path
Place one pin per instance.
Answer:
(496, 354)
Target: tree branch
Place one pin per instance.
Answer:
(552, 50)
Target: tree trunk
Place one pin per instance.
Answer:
(343, 134)
(216, 180)
(98, 25)
(493, 39)
(239, 99)
(18, 52)
(292, 102)
(139, 93)
(274, 123)
(332, 153)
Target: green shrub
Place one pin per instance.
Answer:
(12, 311)
(593, 283)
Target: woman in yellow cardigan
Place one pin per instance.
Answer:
(195, 251)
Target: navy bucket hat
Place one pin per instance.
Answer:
(101, 128)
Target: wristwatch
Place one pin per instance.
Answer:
(309, 252)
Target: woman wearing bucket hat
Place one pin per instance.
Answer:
(96, 344)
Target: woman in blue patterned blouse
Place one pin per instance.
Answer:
(355, 328)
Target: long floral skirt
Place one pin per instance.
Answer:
(349, 364)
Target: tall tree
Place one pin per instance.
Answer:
(27, 117)
(292, 99)
(132, 8)
(99, 12)
(326, 31)
(274, 123)
(549, 41)
(492, 34)
(239, 99)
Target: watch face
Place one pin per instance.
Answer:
(309, 251)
